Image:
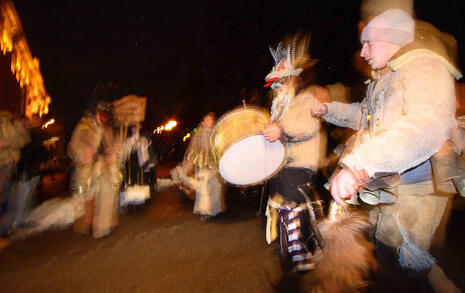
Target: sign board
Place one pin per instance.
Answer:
(129, 110)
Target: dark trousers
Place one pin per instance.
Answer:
(287, 181)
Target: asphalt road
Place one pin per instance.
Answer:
(163, 248)
(166, 248)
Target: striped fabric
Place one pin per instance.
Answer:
(296, 249)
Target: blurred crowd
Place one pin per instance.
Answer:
(106, 163)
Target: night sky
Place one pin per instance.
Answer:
(191, 57)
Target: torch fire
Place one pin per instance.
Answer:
(167, 127)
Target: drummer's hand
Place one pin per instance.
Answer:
(272, 132)
(319, 109)
(343, 186)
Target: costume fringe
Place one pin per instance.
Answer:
(347, 258)
(410, 255)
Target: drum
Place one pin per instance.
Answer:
(244, 156)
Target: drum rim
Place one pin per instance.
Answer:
(228, 114)
(236, 110)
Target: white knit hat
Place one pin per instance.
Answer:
(392, 26)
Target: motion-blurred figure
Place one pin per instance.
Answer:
(139, 163)
(96, 152)
(25, 179)
(198, 159)
(13, 136)
(140, 158)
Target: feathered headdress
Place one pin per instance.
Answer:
(291, 57)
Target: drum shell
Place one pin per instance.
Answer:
(235, 126)
(238, 126)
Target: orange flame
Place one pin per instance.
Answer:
(167, 127)
(170, 125)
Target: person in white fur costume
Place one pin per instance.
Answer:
(406, 117)
(208, 186)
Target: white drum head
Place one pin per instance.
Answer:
(251, 160)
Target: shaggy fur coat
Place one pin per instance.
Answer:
(405, 118)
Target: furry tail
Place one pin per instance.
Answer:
(347, 258)
(57, 213)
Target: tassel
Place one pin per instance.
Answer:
(410, 255)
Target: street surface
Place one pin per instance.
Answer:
(163, 248)
(166, 248)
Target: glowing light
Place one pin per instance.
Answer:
(186, 137)
(159, 129)
(24, 66)
(167, 127)
(51, 141)
(170, 125)
(49, 122)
